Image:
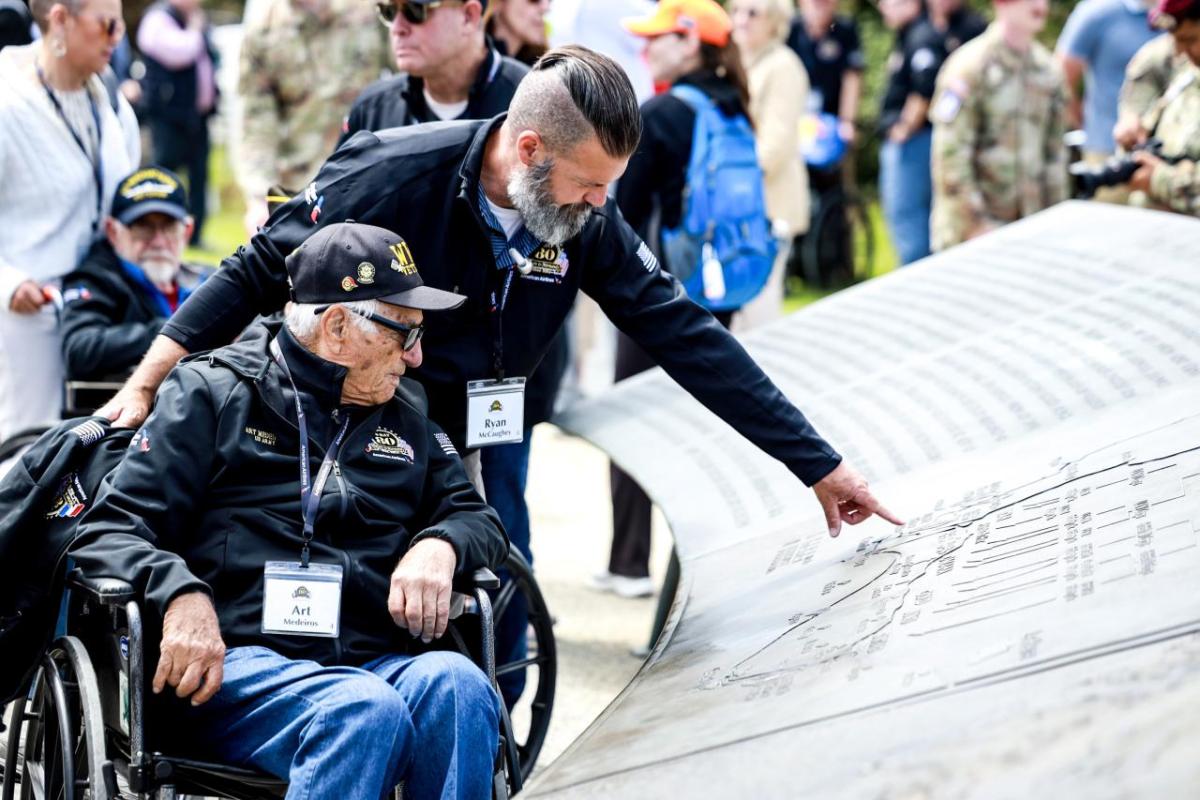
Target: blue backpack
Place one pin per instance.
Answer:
(723, 249)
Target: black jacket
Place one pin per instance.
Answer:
(423, 183)
(108, 321)
(42, 497)
(209, 492)
(654, 181)
(399, 101)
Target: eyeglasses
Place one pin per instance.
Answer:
(145, 230)
(113, 27)
(750, 12)
(410, 335)
(413, 13)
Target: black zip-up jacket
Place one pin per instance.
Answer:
(108, 321)
(423, 183)
(400, 101)
(209, 491)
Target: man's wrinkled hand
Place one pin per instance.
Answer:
(128, 408)
(844, 496)
(192, 654)
(419, 598)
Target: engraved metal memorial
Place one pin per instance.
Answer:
(1030, 403)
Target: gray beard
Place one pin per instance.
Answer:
(529, 191)
(160, 273)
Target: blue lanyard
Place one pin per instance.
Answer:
(310, 492)
(96, 164)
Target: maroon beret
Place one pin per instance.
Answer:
(1166, 12)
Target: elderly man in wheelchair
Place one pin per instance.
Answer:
(294, 524)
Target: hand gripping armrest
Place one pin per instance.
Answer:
(109, 591)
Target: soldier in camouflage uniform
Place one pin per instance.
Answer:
(1147, 77)
(998, 120)
(1175, 119)
(302, 64)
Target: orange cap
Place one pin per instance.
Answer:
(705, 17)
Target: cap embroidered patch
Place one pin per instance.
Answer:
(366, 272)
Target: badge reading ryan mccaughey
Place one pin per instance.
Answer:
(495, 412)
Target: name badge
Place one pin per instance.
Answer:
(302, 602)
(495, 412)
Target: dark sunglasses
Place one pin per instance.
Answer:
(413, 13)
(410, 335)
(112, 26)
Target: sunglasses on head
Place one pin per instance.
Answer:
(413, 13)
(409, 334)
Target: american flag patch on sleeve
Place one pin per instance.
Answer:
(444, 442)
(647, 257)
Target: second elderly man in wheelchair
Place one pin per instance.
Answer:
(294, 524)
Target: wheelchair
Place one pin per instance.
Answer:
(74, 733)
(80, 730)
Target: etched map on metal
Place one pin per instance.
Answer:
(1034, 628)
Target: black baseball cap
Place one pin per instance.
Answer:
(152, 190)
(351, 261)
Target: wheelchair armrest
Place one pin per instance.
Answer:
(109, 591)
(484, 578)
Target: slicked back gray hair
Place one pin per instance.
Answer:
(303, 323)
(573, 92)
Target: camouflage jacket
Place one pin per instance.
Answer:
(1147, 77)
(1175, 121)
(998, 122)
(300, 72)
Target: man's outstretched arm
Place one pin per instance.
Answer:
(131, 404)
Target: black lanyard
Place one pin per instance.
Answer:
(97, 163)
(498, 304)
(310, 492)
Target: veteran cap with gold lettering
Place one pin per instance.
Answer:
(352, 261)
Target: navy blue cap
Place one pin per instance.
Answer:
(349, 261)
(152, 190)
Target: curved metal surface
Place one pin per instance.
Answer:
(1030, 402)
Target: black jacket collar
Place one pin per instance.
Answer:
(314, 376)
(250, 358)
(472, 163)
(414, 91)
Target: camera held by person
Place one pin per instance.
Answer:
(1114, 171)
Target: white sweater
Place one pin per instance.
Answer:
(47, 191)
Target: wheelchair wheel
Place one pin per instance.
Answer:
(63, 751)
(531, 714)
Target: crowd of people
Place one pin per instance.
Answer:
(657, 163)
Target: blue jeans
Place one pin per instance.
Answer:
(349, 733)
(505, 471)
(906, 191)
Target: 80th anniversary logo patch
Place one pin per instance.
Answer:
(388, 445)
